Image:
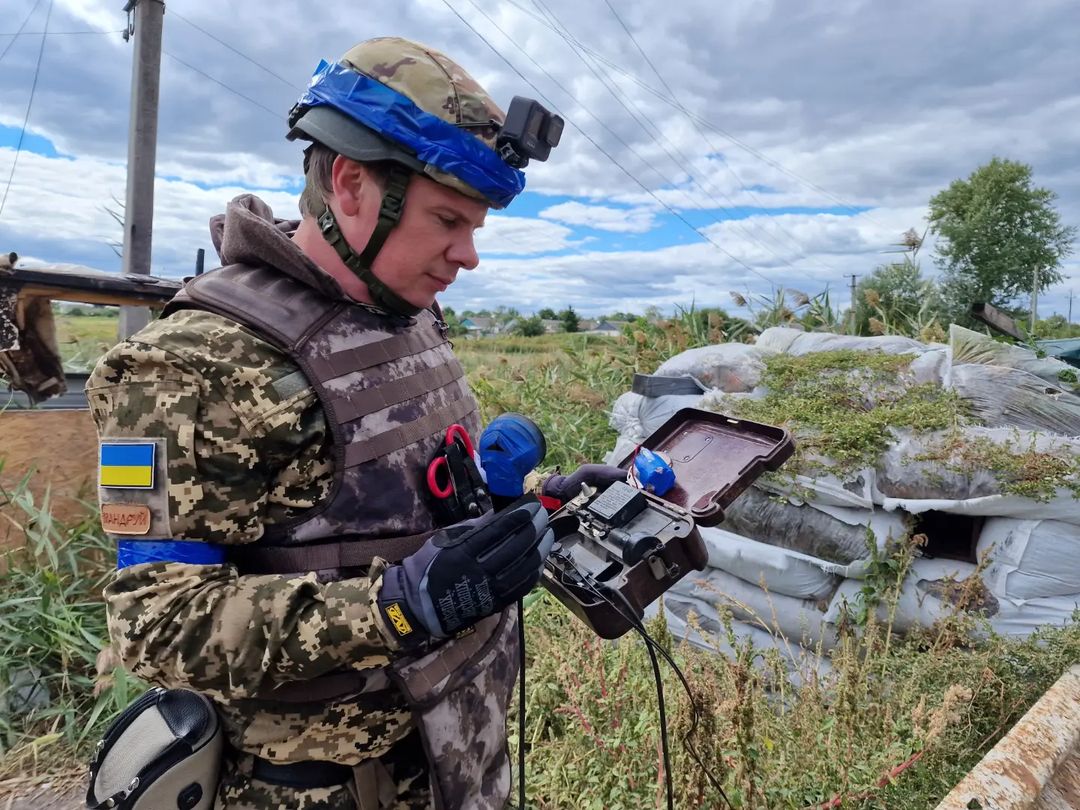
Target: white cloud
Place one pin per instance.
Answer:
(881, 105)
(521, 236)
(602, 217)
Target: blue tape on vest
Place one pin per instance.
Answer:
(135, 552)
(434, 140)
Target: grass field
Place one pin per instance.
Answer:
(83, 339)
(932, 702)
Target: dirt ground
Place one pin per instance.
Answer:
(66, 795)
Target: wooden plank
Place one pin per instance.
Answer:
(996, 319)
(58, 451)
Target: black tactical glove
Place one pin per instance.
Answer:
(466, 572)
(566, 487)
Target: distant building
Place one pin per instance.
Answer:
(479, 327)
(604, 327)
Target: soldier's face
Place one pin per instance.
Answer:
(432, 243)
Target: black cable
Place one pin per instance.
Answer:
(600, 590)
(673, 102)
(653, 131)
(29, 106)
(239, 53)
(277, 115)
(16, 35)
(521, 705)
(589, 138)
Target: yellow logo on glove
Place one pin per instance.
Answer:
(397, 617)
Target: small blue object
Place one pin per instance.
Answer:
(192, 552)
(653, 473)
(435, 141)
(510, 448)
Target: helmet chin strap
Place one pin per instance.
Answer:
(393, 202)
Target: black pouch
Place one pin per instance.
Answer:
(162, 751)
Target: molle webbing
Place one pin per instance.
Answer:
(396, 438)
(337, 364)
(356, 406)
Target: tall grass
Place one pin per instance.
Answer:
(52, 628)
(887, 722)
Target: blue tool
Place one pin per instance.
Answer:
(510, 448)
(653, 473)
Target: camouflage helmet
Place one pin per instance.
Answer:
(419, 75)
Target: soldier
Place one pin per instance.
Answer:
(263, 453)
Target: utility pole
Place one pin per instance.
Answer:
(142, 147)
(1034, 299)
(1070, 306)
(854, 320)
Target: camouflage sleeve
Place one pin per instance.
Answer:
(242, 443)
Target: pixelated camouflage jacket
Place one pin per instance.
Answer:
(245, 447)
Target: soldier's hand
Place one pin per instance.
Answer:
(566, 487)
(466, 572)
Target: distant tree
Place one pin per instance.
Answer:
(453, 322)
(529, 327)
(547, 314)
(570, 320)
(504, 314)
(621, 316)
(1056, 326)
(995, 229)
(894, 297)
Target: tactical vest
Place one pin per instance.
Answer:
(389, 388)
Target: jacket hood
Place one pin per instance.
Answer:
(248, 233)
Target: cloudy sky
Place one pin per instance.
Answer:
(709, 146)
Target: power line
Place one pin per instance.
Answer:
(58, 33)
(29, 106)
(588, 137)
(682, 161)
(26, 19)
(697, 127)
(277, 114)
(239, 53)
(703, 121)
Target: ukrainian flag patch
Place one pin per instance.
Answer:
(130, 465)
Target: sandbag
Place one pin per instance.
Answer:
(1024, 618)
(902, 478)
(705, 632)
(782, 571)
(798, 620)
(1030, 559)
(838, 537)
(930, 592)
(728, 367)
(971, 347)
(636, 417)
(1001, 397)
(795, 342)
(931, 367)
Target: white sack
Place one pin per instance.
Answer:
(707, 633)
(783, 571)
(795, 342)
(1030, 559)
(971, 347)
(1009, 397)
(728, 367)
(799, 620)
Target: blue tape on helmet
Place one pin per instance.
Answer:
(653, 473)
(134, 552)
(396, 117)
